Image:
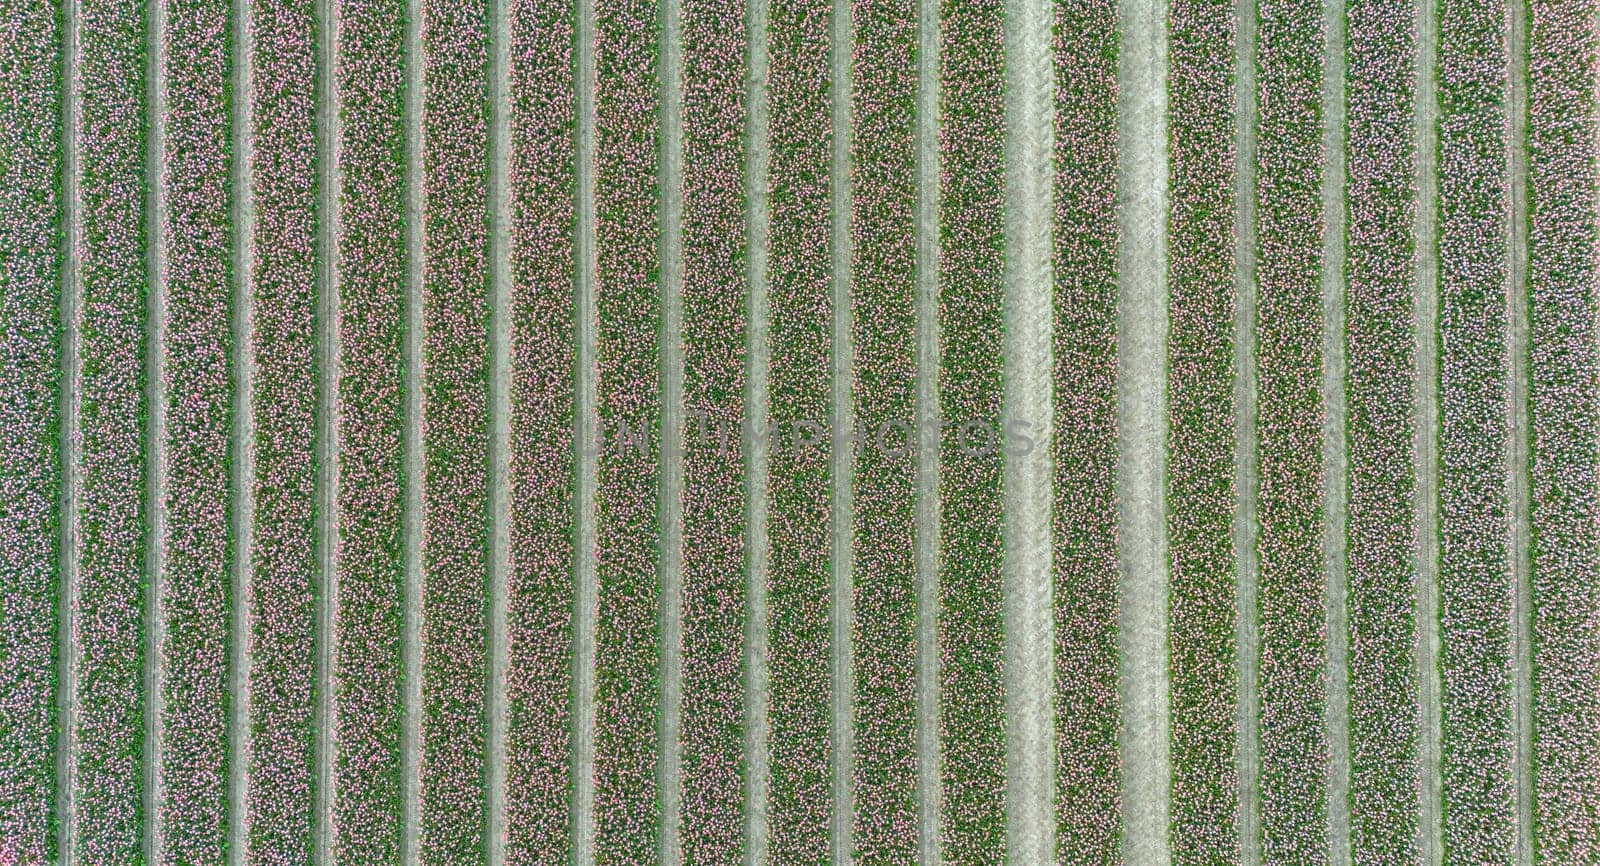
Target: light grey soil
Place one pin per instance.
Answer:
(1427, 457)
(1142, 430)
(411, 509)
(329, 137)
(1518, 481)
(927, 506)
(842, 410)
(1335, 447)
(758, 776)
(1029, 614)
(672, 418)
(156, 432)
(500, 482)
(1246, 462)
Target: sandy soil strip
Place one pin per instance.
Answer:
(1142, 430)
(1029, 612)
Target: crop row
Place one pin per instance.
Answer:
(370, 576)
(540, 594)
(971, 329)
(1478, 783)
(194, 580)
(1562, 47)
(455, 366)
(884, 331)
(281, 635)
(712, 744)
(1292, 609)
(30, 480)
(800, 490)
(1380, 339)
(627, 295)
(1088, 712)
(1201, 448)
(107, 632)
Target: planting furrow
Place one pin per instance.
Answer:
(627, 646)
(1088, 762)
(1565, 441)
(196, 565)
(30, 407)
(714, 338)
(926, 511)
(282, 611)
(1201, 445)
(971, 627)
(1291, 609)
(1381, 396)
(370, 410)
(108, 609)
(1477, 596)
(883, 328)
(538, 772)
(799, 521)
(455, 431)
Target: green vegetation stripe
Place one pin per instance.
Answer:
(198, 545)
(1564, 396)
(799, 523)
(30, 419)
(108, 612)
(714, 336)
(540, 594)
(282, 612)
(1293, 748)
(455, 429)
(1381, 395)
(1204, 668)
(370, 579)
(1088, 763)
(1477, 596)
(627, 296)
(883, 333)
(972, 700)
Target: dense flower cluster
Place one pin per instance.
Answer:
(1201, 495)
(1289, 334)
(971, 328)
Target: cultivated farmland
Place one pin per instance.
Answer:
(305, 306)
(883, 332)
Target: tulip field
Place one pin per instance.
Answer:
(794, 432)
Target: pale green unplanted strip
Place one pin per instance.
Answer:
(1428, 600)
(411, 504)
(1247, 475)
(1142, 429)
(1029, 612)
(500, 482)
(329, 136)
(584, 567)
(68, 402)
(1335, 460)
(156, 421)
(241, 484)
(927, 397)
(842, 411)
(756, 455)
(672, 420)
(1518, 482)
